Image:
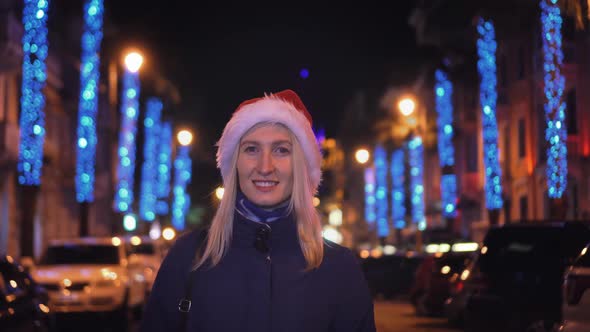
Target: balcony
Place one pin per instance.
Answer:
(576, 147)
(10, 41)
(9, 139)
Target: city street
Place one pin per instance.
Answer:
(397, 316)
(390, 316)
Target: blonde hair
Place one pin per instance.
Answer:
(309, 227)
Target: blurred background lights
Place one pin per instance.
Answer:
(129, 222)
(362, 156)
(219, 192)
(407, 106)
(133, 61)
(304, 73)
(184, 137)
(332, 234)
(335, 217)
(155, 230)
(168, 233)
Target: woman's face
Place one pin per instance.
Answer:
(265, 165)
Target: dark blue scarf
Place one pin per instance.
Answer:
(253, 212)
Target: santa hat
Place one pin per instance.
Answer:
(283, 107)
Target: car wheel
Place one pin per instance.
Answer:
(124, 316)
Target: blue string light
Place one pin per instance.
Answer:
(443, 89)
(416, 163)
(556, 131)
(398, 196)
(448, 184)
(486, 65)
(381, 192)
(164, 169)
(182, 176)
(34, 75)
(88, 103)
(149, 170)
(370, 213)
(127, 136)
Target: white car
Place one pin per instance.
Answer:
(145, 256)
(576, 297)
(90, 275)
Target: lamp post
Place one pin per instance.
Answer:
(415, 148)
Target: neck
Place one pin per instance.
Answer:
(257, 213)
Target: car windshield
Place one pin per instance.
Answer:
(531, 248)
(81, 254)
(142, 249)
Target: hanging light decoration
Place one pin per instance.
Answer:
(182, 176)
(149, 170)
(370, 213)
(381, 191)
(127, 134)
(88, 103)
(34, 75)
(164, 168)
(443, 89)
(486, 65)
(398, 197)
(556, 131)
(416, 163)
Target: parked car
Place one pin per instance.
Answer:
(576, 299)
(515, 284)
(433, 282)
(145, 256)
(23, 303)
(391, 275)
(90, 275)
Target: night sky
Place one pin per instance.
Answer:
(220, 54)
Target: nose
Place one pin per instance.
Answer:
(266, 165)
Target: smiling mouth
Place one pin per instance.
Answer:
(265, 184)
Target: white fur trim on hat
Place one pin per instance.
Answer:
(275, 110)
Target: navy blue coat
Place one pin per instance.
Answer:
(254, 291)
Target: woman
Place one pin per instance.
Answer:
(263, 264)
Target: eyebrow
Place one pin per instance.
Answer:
(274, 143)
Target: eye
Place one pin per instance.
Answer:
(282, 150)
(250, 149)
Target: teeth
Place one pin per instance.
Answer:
(265, 183)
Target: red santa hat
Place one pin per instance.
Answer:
(283, 107)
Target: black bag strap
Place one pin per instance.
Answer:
(185, 303)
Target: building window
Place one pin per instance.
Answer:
(521, 138)
(571, 113)
(524, 207)
(521, 63)
(471, 152)
(502, 71)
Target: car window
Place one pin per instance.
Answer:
(142, 249)
(81, 254)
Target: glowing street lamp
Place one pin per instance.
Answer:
(133, 61)
(184, 137)
(362, 156)
(407, 106)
